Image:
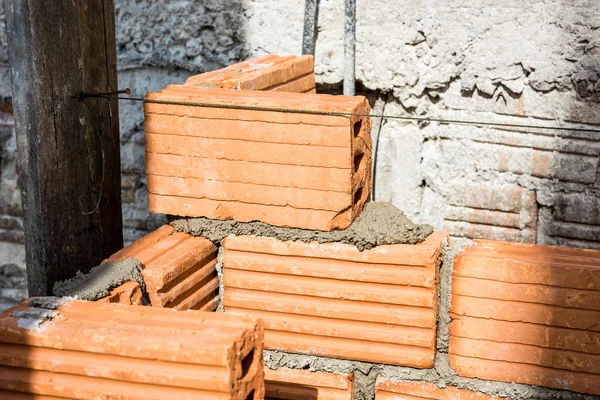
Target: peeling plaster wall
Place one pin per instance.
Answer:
(528, 62)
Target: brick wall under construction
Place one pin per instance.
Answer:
(437, 319)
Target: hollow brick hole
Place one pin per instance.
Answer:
(357, 160)
(358, 195)
(250, 395)
(247, 363)
(357, 127)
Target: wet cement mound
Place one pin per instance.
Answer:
(98, 283)
(379, 224)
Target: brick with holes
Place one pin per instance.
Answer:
(128, 293)
(282, 168)
(88, 350)
(178, 270)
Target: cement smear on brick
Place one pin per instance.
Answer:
(367, 375)
(379, 224)
(100, 280)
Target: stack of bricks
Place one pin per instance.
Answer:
(527, 314)
(254, 160)
(84, 350)
(521, 313)
(331, 299)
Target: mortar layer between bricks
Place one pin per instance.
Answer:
(379, 224)
(367, 375)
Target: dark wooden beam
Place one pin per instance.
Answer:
(56, 49)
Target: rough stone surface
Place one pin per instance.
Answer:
(100, 280)
(379, 224)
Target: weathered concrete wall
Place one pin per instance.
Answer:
(532, 61)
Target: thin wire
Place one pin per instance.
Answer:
(350, 114)
(103, 176)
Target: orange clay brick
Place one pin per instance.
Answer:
(77, 349)
(577, 340)
(269, 73)
(523, 373)
(379, 305)
(294, 384)
(128, 293)
(284, 169)
(6, 395)
(178, 269)
(527, 314)
(412, 390)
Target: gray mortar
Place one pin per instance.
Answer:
(367, 375)
(48, 303)
(100, 280)
(445, 290)
(379, 224)
(219, 268)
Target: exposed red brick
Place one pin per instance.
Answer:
(507, 212)
(178, 269)
(525, 333)
(527, 314)
(525, 373)
(285, 169)
(294, 384)
(331, 299)
(270, 72)
(412, 390)
(92, 350)
(128, 293)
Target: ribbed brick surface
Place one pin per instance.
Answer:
(294, 384)
(527, 314)
(411, 390)
(285, 169)
(128, 293)
(269, 73)
(178, 269)
(379, 305)
(89, 350)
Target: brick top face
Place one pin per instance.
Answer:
(281, 168)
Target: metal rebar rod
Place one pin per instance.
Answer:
(378, 108)
(309, 35)
(349, 48)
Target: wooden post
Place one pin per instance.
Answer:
(56, 49)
